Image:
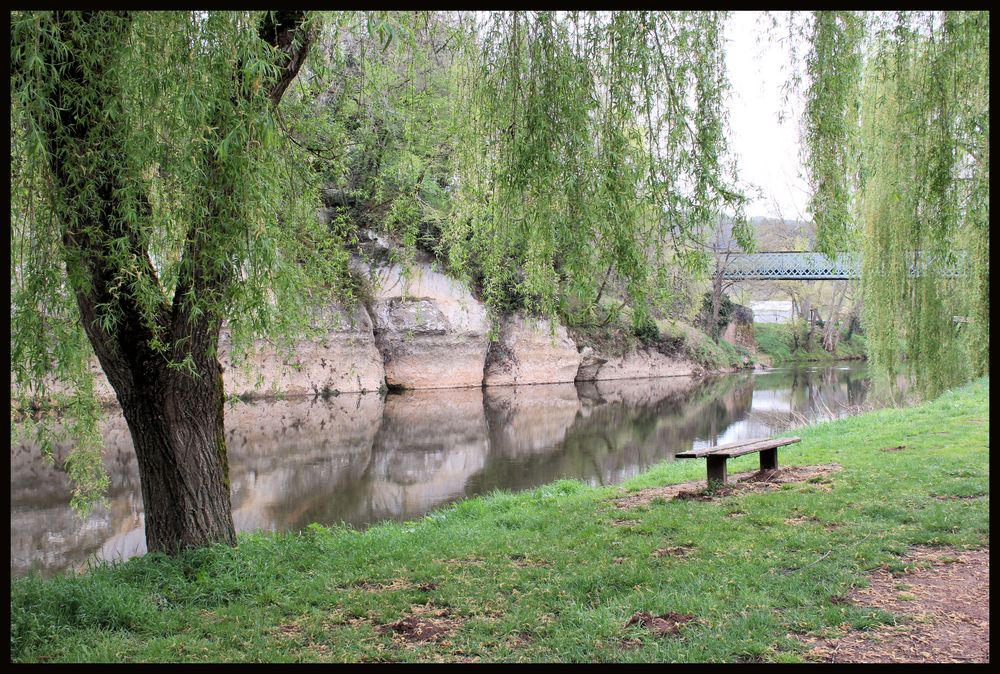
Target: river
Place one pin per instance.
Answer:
(365, 458)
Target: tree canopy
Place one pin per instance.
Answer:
(162, 188)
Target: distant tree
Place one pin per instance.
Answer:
(723, 247)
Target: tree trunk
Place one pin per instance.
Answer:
(177, 428)
(853, 323)
(831, 335)
(716, 303)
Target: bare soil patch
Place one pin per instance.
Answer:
(661, 625)
(425, 623)
(897, 448)
(524, 562)
(944, 602)
(672, 551)
(749, 481)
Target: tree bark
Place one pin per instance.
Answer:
(852, 324)
(716, 330)
(177, 428)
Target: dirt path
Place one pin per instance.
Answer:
(945, 603)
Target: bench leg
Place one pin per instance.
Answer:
(769, 459)
(716, 468)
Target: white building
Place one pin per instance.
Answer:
(772, 311)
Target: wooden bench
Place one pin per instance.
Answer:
(717, 456)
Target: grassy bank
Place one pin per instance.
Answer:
(554, 573)
(699, 347)
(778, 342)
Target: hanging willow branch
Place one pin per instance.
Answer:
(594, 141)
(921, 183)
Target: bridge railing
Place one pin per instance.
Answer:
(810, 266)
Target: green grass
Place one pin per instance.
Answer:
(776, 341)
(553, 574)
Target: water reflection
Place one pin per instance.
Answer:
(364, 458)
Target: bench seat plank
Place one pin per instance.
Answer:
(774, 444)
(737, 448)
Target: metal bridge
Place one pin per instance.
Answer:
(807, 266)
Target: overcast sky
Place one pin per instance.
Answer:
(767, 151)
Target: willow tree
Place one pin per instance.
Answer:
(159, 192)
(593, 149)
(151, 202)
(898, 129)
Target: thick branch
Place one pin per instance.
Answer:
(205, 274)
(290, 34)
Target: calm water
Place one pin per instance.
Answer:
(365, 458)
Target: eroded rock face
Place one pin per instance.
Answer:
(639, 364)
(529, 351)
(344, 359)
(430, 330)
(590, 363)
(739, 330)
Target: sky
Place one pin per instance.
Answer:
(767, 152)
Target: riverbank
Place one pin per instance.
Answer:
(427, 330)
(558, 572)
(778, 343)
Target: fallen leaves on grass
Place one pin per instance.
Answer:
(672, 551)
(523, 561)
(471, 560)
(945, 611)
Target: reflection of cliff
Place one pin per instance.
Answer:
(288, 458)
(283, 454)
(40, 516)
(428, 445)
(621, 428)
(528, 419)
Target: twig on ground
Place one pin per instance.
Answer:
(822, 557)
